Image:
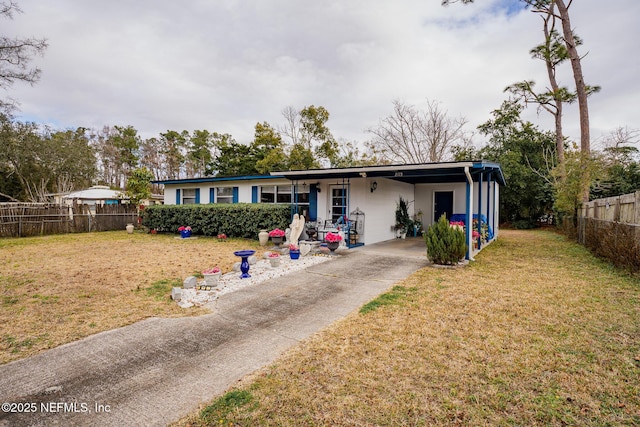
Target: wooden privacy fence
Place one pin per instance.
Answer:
(610, 228)
(37, 219)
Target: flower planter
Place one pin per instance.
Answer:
(185, 234)
(333, 245)
(212, 279)
(129, 228)
(294, 254)
(275, 262)
(276, 240)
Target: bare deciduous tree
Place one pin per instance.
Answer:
(410, 135)
(15, 54)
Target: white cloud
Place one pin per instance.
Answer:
(225, 65)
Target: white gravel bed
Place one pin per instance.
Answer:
(260, 271)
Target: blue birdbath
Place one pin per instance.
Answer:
(244, 265)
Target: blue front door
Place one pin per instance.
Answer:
(442, 204)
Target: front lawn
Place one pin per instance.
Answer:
(535, 332)
(58, 289)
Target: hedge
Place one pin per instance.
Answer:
(234, 220)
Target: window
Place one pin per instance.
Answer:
(267, 194)
(189, 196)
(281, 194)
(224, 195)
(339, 203)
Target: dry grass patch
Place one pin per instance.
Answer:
(57, 289)
(536, 332)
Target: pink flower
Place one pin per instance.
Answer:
(333, 237)
(213, 270)
(276, 233)
(183, 228)
(274, 255)
(475, 234)
(222, 236)
(293, 248)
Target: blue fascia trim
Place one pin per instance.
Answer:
(490, 167)
(217, 179)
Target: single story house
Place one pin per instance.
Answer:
(366, 195)
(96, 195)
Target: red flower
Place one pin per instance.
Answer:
(333, 237)
(276, 233)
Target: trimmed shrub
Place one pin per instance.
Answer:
(445, 244)
(234, 220)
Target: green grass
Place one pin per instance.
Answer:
(535, 332)
(395, 296)
(160, 289)
(221, 411)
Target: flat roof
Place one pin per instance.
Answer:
(410, 173)
(216, 179)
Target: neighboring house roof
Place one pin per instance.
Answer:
(98, 192)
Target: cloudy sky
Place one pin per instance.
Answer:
(224, 65)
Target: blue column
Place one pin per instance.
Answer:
(479, 230)
(313, 202)
(468, 220)
(489, 182)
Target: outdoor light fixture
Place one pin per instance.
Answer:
(374, 186)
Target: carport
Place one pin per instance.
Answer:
(477, 184)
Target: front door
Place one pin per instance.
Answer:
(339, 202)
(442, 204)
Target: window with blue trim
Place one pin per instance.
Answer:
(281, 194)
(225, 195)
(189, 196)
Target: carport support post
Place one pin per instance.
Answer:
(489, 185)
(469, 213)
(480, 181)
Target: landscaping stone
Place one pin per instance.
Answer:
(176, 294)
(190, 282)
(231, 282)
(305, 249)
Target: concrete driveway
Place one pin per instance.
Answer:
(156, 371)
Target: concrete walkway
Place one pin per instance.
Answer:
(156, 371)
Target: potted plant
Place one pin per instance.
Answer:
(276, 236)
(274, 259)
(212, 275)
(185, 232)
(333, 241)
(222, 237)
(403, 220)
(475, 236)
(294, 251)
